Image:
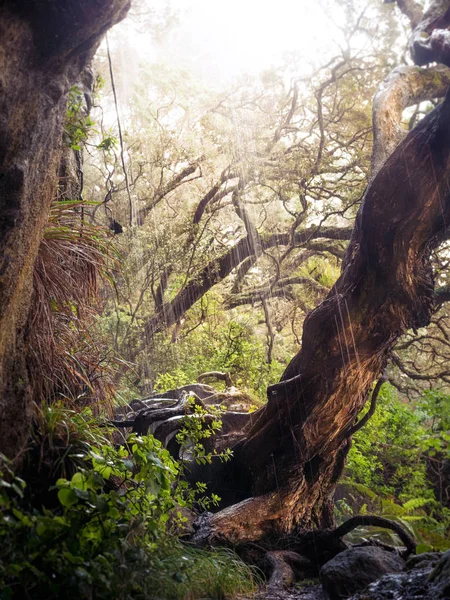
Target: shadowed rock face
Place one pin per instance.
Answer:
(44, 46)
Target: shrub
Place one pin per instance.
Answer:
(111, 530)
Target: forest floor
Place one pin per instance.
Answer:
(296, 592)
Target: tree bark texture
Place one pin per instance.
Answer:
(289, 456)
(44, 45)
(292, 451)
(403, 87)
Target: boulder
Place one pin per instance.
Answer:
(426, 577)
(354, 569)
(412, 585)
(440, 577)
(426, 560)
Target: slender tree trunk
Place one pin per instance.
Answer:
(43, 48)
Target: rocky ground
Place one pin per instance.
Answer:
(301, 591)
(357, 574)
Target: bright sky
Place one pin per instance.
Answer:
(238, 36)
(222, 40)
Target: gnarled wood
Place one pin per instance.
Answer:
(403, 87)
(289, 456)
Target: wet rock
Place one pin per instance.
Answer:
(354, 569)
(440, 577)
(411, 585)
(426, 560)
(426, 577)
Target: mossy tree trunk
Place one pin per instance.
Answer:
(44, 45)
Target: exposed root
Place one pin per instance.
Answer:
(320, 546)
(157, 411)
(359, 520)
(282, 573)
(162, 415)
(286, 568)
(373, 405)
(226, 377)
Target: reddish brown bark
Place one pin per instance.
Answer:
(291, 453)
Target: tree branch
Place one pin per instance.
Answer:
(403, 87)
(411, 9)
(219, 268)
(376, 521)
(373, 405)
(177, 180)
(431, 38)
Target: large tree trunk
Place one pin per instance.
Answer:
(290, 454)
(44, 45)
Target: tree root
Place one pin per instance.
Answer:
(320, 546)
(286, 568)
(226, 377)
(310, 550)
(162, 415)
(158, 411)
(374, 520)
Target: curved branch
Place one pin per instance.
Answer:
(411, 9)
(216, 375)
(373, 405)
(403, 87)
(441, 295)
(376, 521)
(219, 268)
(280, 289)
(431, 38)
(414, 375)
(215, 193)
(176, 181)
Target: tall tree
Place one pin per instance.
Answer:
(44, 47)
(240, 189)
(288, 456)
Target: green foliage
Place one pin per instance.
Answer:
(434, 407)
(60, 440)
(386, 455)
(109, 535)
(108, 143)
(74, 259)
(78, 124)
(230, 347)
(387, 474)
(200, 425)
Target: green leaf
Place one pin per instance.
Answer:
(98, 458)
(81, 494)
(78, 480)
(421, 548)
(67, 497)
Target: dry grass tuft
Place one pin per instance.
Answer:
(65, 359)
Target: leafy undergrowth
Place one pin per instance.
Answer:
(108, 525)
(391, 469)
